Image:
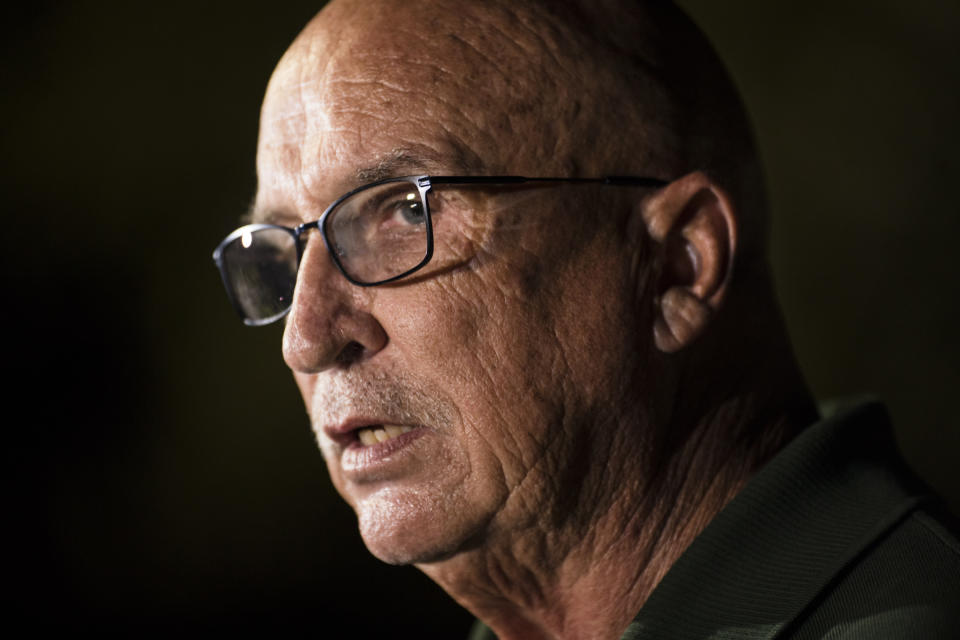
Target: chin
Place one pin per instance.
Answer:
(417, 529)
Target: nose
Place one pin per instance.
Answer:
(330, 323)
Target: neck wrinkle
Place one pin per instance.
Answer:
(551, 584)
(600, 582)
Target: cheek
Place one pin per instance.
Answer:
(491, 350)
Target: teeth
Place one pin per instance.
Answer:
(372, 435)
(393, 431)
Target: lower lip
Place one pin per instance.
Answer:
(358, 457)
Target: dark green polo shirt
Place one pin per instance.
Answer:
(834, 538)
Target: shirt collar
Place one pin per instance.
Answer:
(805, 515)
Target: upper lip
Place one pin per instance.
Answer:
(344, 433)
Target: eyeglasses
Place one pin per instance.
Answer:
(377, 233)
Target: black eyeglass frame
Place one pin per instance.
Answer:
(423, 183)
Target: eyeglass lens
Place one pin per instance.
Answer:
(380, 232)
(260, 267)
(376, 234)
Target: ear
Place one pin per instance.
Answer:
(693, 224)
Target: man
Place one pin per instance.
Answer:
(568, 400)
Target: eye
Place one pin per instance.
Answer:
(409, 210)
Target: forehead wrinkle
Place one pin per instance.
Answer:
(292, 114)
(277, 151)
(571, 98)
(462, 73)
(500, 34)
(477, 54)
(324, 143)
(361, 93)
(351, 80)
(531, 42)
(420, 81)
(484, 57)
(525, 33)
(526, 96)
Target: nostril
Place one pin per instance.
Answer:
(350, 353)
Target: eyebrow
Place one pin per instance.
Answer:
(393, 164)
(454, 159)
(399, 162)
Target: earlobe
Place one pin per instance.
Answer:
(680, 318)
(692, 222)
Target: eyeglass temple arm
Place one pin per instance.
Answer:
(614, 180)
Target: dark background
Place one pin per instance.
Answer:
(163, 473)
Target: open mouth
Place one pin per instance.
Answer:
(378, 433)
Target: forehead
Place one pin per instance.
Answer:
(368, 83)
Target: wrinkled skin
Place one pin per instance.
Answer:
(570, 442)
(499, 345)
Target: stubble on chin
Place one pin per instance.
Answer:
(426, 516)
(415, 527)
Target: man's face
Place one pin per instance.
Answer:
(499, 372)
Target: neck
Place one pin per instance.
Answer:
(588, 576)
(590, 582)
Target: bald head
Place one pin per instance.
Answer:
(565, 88)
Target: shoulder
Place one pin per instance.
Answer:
(922, 622)
(904, 585)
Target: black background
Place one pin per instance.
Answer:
(162, 472)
